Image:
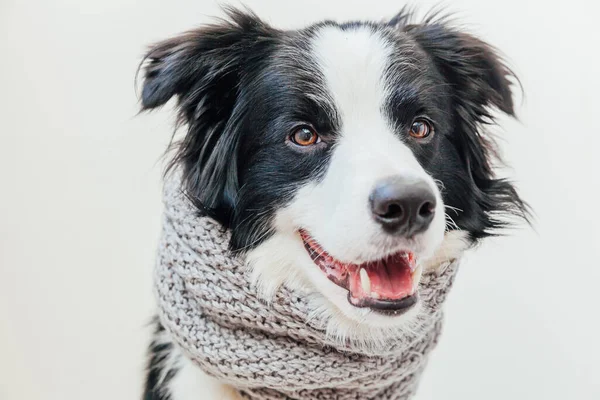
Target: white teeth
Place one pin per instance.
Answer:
(365, 282)
(416, 277)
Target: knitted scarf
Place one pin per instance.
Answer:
(274, 351)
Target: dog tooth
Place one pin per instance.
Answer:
(365, 282)
(416, 276)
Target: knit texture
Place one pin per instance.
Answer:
(274, 351)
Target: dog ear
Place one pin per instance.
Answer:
(480, 81)
(478, 75)
(203, 69)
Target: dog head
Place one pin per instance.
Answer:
(344, 158)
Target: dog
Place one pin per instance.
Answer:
(345, 159)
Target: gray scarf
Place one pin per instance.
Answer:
(275, 351)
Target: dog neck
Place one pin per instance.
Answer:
(275, 350)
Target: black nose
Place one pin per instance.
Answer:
(402, 206)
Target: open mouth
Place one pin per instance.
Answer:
(388, 285)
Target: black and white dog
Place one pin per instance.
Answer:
(360, 142)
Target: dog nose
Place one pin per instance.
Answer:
(402, 206)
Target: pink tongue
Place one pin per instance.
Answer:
(391, 280)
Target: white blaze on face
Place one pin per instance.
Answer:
(336, 211)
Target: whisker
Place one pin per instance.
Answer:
(450, 222)
(455, 209)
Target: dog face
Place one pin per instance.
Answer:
(332, 153)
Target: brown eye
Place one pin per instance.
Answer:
(305, 136)
(421, 128)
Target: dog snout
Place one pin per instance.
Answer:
(403, 206)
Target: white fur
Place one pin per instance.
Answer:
(454, 245)
(336, 211)
(368, 150)
(191, 383)
(172, 359)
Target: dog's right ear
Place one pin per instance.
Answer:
(204, 69)
(207, 56)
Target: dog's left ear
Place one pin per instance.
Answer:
(476, 72)
(479, 82)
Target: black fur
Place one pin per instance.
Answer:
(208, 69)
(240, 85)
(158, 374)
(479, 82)
(241, 88)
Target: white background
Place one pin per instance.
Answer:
(80, 201)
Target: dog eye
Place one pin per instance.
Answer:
(305, 136)
(421, 128)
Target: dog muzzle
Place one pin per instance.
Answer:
(274, 351)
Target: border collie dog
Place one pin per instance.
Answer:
(358, 142)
